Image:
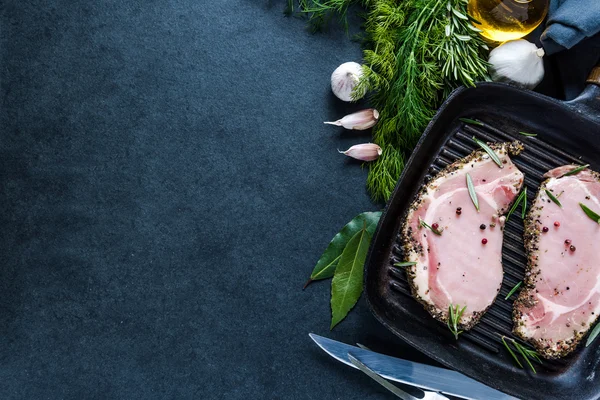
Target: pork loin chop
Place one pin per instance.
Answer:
(462, 266)
(561, 298)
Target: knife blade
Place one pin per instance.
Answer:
(412, 373)
(427, 395)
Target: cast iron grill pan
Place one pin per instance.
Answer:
(565, 136)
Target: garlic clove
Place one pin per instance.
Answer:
(364, 152)
(344, 79)
(359, 121)
(518, 62)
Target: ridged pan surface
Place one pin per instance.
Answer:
(563, 137)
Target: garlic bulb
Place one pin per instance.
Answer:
(519, 62)
(344, 79)
(359, 121)
(364, 152)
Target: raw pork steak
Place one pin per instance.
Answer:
(462, 266)
(561, 299)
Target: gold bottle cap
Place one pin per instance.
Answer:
(594, 76)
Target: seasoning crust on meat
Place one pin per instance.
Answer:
(461, 266)
(561, 297)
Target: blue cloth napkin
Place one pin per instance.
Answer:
(569, 22)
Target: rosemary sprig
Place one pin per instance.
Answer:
(454, 315)
(522, 199)
(513, 290)
(528, 134)
(511, 352)
(426, 225)
(524, 206)
(488, 150)
(593, 215)
(553, 198)
(471, 121)
(593, 335)
(575, 170)
(405, 264)
(472, 192)
(526, 353)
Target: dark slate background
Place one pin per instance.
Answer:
(166, 185)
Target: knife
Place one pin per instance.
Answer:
(427, 395)
(412, 373)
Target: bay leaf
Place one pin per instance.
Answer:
(347, 283)
(329, 259)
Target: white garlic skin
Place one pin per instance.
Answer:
(344, 79)
(358, 121)
(364, 152)
(518, 62)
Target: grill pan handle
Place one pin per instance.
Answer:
(588, 102)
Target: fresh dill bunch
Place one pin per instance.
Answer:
(404, 81)
(384, 172)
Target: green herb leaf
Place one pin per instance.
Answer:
(405, 264)
(528, 134)
(488, 150)
(522, 199)
(576, 170)
(425, 225)
(473, 19)
(471, 27)
(459, 14)
(329, 259)
(513, 290)
(464, 38)
(553, 197)
(511, 352)
(472, 192)
(454, 316)
(593, 335)
(526, 353)
(347, 283)
(590, 213)
(471, 121)
(525, 356)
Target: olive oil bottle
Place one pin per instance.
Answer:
(503, 20)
